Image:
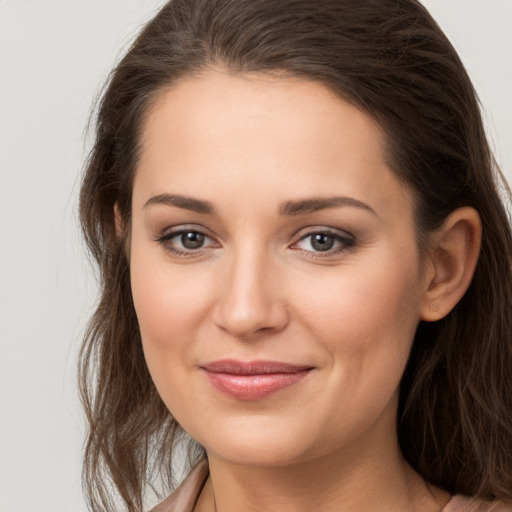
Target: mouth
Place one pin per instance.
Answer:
(253, 380)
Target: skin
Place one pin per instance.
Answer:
(258, 289)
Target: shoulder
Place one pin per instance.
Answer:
(184, 498)
(460, 503)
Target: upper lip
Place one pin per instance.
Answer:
(235, 367)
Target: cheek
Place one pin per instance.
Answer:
(170, 302)
(381, 293)
(170, 307)
(366, 319)
(367, 326)
(168, 299)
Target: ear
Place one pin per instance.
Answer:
(455, 247)
(118, 222)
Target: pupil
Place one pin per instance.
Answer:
(192, 240)
(322, 242)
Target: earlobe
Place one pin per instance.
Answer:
(452, 262)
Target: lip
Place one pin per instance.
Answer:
(253, 380)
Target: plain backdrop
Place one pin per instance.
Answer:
(54, 55)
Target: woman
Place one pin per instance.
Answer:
(305, 266)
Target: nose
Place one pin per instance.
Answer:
(251, 300)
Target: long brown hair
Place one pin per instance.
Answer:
(389, 58)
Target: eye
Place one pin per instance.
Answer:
(184, 242)
(324, 242)
(192, 239)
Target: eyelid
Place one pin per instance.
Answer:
(311, 230)
(346, 239)
(169, 233)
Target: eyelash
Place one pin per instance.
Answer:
(166, 241)
(346, 242)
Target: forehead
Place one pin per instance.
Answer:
(255, 104)
(280, 136)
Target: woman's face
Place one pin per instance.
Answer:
(274, 268)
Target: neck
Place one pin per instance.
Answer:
(377, 478)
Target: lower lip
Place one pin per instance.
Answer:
(253, 387)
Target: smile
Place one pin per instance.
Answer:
(253, 380)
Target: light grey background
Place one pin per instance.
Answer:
(54, 54)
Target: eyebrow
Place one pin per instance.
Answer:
(310, 205)
(185, 202)
(288, 208)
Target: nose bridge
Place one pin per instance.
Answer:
(250, 299)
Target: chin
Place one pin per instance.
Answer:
(264, 454)
(258, 444)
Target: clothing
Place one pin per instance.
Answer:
(463, 504)
(184, 498)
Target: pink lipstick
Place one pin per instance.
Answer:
(253, 380)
